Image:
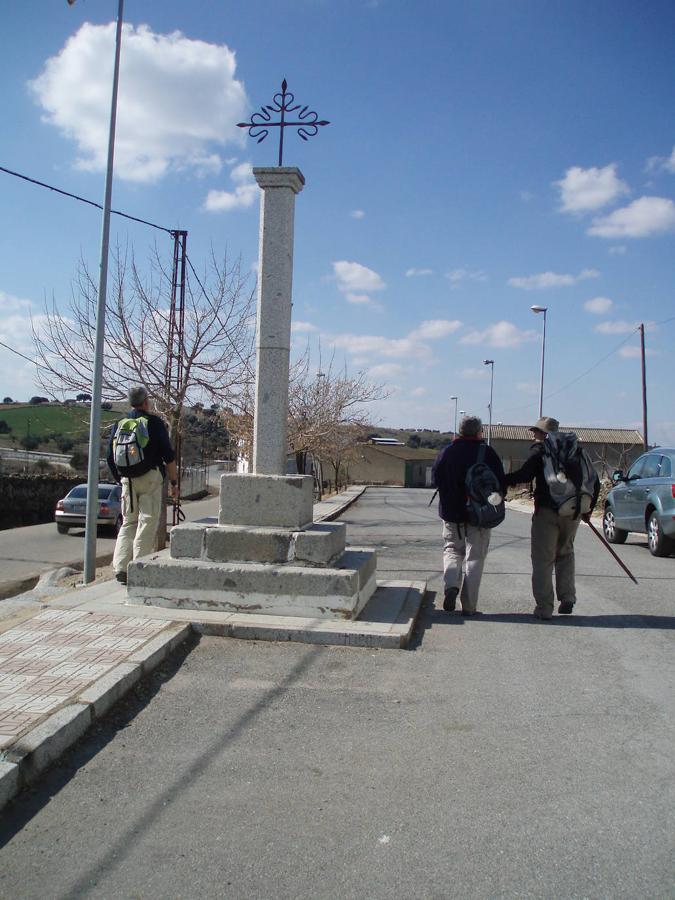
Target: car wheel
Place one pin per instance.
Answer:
(62, 529)
(659, 544)
(613, 534)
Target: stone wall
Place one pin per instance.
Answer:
(31, 499)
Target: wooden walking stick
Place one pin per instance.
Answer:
(601, 538)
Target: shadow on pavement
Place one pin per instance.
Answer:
(115, 852)
(31, 799)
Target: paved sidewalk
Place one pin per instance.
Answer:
(50, 659)
(63, 666)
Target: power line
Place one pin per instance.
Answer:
(50, 187)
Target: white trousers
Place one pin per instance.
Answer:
(141, 506)
(464, 550)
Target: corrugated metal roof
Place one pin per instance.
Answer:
(623, 436)
(409, 453)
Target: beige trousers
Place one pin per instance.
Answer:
(140, 513)
(464, 550)
(552, 549)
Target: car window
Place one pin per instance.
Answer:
(78, 493)
(651, 466)
(666, 468)
(635, 470)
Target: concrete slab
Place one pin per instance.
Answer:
(278, 501)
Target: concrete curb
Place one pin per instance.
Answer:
(35, 751)
(330, 514)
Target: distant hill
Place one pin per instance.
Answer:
(46, 421)
(427, 437)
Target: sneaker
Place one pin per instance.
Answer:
(542, 614)
(566, 607)
(471, 612)
(450, 599)
(121, 577)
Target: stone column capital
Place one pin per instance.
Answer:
(280, 177)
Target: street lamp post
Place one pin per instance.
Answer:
(95, 419)
(491, 363)
(454, 433)
(541, 309)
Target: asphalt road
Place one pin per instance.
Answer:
(499, 757)
(25, 553)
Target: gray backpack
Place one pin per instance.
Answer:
(569, 473)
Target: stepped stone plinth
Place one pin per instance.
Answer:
(296, 568)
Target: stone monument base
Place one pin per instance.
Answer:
(264, 556)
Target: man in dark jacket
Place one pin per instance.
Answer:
(464, 546)
(142, 492)
(552, 535)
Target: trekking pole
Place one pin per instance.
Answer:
(433, 498)
(601, 538)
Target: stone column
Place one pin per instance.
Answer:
(275, 276)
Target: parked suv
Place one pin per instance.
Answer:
(71, 512)
(644, 501)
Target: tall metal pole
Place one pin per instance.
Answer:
(644, 387)
(541, 309)
(491, 363)
(543, 358)
(456, 399)
(96, 392)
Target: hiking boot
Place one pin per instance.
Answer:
(121, 577)
(450, 599)
(566, 607)
(540, 613)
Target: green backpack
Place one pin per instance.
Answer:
(129, 443)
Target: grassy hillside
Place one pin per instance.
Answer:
(45, 421)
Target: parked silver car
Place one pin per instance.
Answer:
(644, 501)
(72, 510)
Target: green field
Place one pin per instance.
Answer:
(44, 421)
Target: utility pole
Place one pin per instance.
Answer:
(644, 387)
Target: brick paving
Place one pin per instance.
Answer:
(47, 661)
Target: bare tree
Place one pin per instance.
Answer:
(326, 414)
(216, 345)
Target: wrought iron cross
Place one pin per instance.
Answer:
(283, 103)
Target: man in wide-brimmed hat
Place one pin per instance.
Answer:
(552, 534)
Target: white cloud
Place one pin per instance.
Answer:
(418, 392)
(358, 299)
(303, 327)
(474, 374)
(17, 375)
(598, 305)
(632, 352)
(415, 345)
(664, 163)
(435, 328)
(244, 195)
(178, 100)
(619, 250)
(502, 334)
(617, 327)
(641, 218)
(386, 370)
(456, 276)
(527, 387)
(357, 214)
(352, 277)
(584, 190)
(545, 280)
(412, 273)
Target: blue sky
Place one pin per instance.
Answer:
(482, 157)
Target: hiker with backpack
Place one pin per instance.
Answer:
(565, 493)
(139, 455)
(470, 480)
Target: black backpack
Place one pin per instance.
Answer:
(481, 482)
